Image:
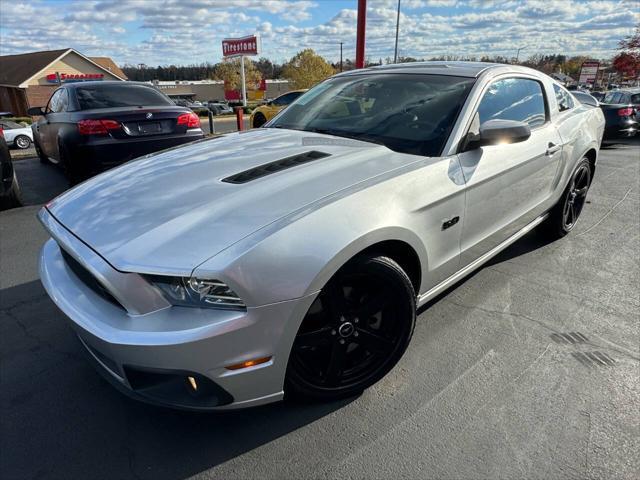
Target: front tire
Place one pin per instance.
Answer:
(22, 142)
(564, 215)
(355, 331)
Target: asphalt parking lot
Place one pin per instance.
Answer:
(528, 369)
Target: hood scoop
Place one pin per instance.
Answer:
(273, 167)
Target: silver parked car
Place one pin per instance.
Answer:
(291, 259)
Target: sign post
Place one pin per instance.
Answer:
(241, 47)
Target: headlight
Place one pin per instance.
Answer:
(198, 292)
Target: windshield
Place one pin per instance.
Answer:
(109, 96)
(408, 113)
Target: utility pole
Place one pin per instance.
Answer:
(395, 53)
(362, 22)
(518, 53)
(341, 56)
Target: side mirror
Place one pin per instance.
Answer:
(35, 111)
(494, 132)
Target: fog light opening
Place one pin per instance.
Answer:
(248, 363)
(192, 384)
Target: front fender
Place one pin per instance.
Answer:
(298, 259)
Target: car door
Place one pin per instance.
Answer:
(507, 184)
(56, 118)
(43, 126)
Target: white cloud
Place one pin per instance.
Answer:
(190, 31)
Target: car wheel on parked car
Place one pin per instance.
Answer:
(354, 332)
(43, 158)
(259, 120)
(22, 142)
(13, 197)
(563, 217)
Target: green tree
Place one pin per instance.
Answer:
(229, 71)
(306, 69)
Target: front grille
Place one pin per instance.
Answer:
(273, 167)
(88, 279)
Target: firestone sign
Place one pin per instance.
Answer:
(232, 47)
(74, 77)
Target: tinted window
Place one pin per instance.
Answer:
(613, 97)
(563, 98)
(287, 98)
(407, 113)
(635, 98)
(109, 96)
(514, 99)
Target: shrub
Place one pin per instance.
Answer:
(24, 120)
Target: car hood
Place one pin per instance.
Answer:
(171, 211)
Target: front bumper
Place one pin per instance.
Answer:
(172, 343)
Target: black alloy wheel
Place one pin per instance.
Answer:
(563, 217)
(259, 120)
(355, 331)
(577, 195)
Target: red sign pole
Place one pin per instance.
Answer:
(362, 21)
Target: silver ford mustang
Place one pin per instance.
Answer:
(290, 259)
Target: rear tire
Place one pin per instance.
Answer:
(43, 158)
(22, 142)
(565, 214)
(259, 120)
(355, 331)
(71, 171)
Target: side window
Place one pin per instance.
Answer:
(53, 102)
(563, 98)
(635, 99)
(285, 99)
(517, 99)
(624, 98)
(63, 101)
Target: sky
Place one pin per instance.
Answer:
(181, 32)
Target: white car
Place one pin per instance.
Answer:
(290, 259)
(16, 135)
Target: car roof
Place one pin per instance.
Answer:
(102, 82)
(460, 69)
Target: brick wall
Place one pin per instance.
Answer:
(38, 95)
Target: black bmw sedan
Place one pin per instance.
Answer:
(88, 127)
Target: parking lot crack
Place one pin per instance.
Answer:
(602, 219)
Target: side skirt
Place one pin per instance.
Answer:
(456, 277)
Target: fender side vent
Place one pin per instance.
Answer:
(273, 167)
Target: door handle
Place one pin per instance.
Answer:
(552, 148)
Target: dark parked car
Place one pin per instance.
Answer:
(621, 112)
(219, 108)
(9, 189)
(91, 126)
